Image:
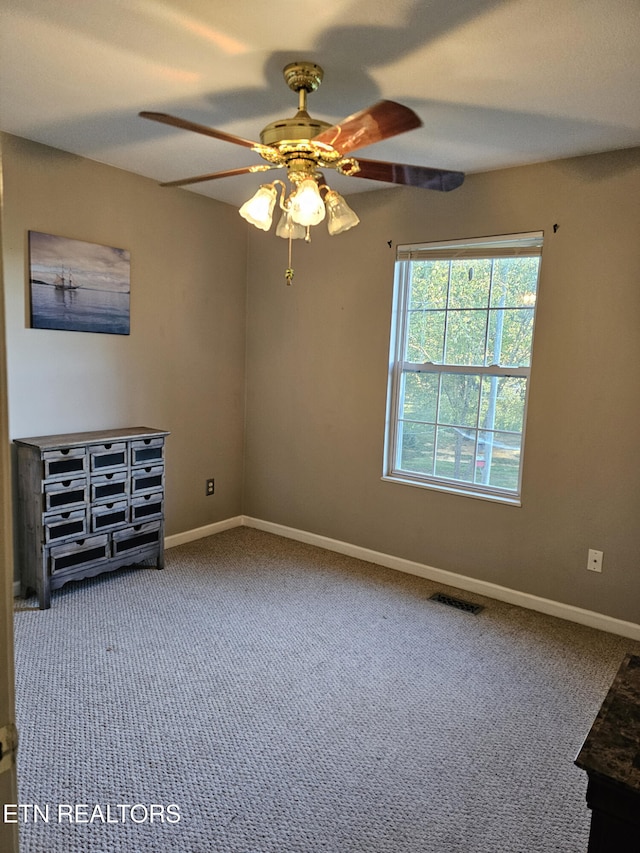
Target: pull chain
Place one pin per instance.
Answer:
(289, 271)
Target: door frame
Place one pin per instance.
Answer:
(8, 778)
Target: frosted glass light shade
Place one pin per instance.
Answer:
(340, 215)
(307, 207)
(288, 228)
(259, 209)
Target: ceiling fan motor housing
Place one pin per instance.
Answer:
(301, 126)
(301, 77)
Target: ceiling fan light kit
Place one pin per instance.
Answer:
(339, 214)
(307, 207)
(304, 146)
(288, 229)
(258, 210)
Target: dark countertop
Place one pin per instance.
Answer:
(612, 747)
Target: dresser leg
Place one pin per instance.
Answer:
(43, 589)
(44, 597)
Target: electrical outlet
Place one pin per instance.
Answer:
(594, 563)
(211, 486)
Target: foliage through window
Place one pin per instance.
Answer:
(460, 360)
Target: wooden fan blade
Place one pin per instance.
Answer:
(197, 128)
(213, 176)
(411, 176)
(378, 122)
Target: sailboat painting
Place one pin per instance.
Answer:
(78, 286)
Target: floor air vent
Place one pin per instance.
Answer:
(458, 603)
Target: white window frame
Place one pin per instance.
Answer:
(527, 244)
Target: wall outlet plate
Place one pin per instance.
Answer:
(211, 487)
(594, 562)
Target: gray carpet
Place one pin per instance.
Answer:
(291, 700)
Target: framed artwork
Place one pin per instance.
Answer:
(78, 286)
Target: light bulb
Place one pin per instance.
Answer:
(288, 228)
(340, 215)
(307, 207)
(259, 209)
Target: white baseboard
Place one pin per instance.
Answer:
(201, 532)
(490, 590)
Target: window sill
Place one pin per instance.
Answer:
(452, 490)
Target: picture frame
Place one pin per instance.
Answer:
(77, 286)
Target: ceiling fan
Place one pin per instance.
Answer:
(304, 145)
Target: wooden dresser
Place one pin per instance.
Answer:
(88, 503)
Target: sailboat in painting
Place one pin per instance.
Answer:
(64, 281)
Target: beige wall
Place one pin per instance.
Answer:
(317, 357)
(182, 366)
(317, 363)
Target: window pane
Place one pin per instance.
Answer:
(463, 313)
(420, 397)
(470, 282)
(510, 336)
(459, 398)
(425, 336)
(515, 281)
(416, 443)
(501, 454)
(455, 451)
(466, 333)
(503, 400)
(429, 284)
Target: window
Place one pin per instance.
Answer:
(461, 341)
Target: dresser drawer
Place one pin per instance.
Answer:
(146, 451)
(106, 456)
(109, 487)
(138, 537)
(109, 516)
(148, 479)
(65, 494)
(79, 553)
(65, 462)
(146, 507)
(65, 524)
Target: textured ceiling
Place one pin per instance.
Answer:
(496, 82)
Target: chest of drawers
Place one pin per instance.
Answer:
(88, 503)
